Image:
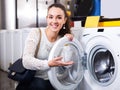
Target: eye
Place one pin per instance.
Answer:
(50, 17)
(59, 17)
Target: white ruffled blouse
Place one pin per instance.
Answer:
(40, 63)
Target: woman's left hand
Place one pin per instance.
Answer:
(69, 36)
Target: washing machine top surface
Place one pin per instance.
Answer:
(67, 77)
(107, 30)
(112, 33)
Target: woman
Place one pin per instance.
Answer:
(57, 27)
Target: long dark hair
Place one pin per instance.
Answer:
(67, 24)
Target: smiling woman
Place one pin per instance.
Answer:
(57, 26)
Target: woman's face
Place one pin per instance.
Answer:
(55, 19)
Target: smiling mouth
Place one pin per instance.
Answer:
(54, 26)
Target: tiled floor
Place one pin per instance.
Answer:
(5, 82)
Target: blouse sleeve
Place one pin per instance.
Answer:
(29, 59)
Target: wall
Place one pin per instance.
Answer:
(110, 8)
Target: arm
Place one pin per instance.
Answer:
(29, 59)
(58, 60)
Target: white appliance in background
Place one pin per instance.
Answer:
(26, 13)
(2, 50)
(17, 44)
(12, 45)
(32, 13)
(96, 60)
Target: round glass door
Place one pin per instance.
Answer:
(102, 65)
(67, 77)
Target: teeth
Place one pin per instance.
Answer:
(54, 26)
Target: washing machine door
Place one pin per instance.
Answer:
(67, 77)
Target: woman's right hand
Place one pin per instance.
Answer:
(58, 62)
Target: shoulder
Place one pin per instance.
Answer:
(38, 30)
(34, 31)
(33, 34)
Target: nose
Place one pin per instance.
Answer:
(54, 20)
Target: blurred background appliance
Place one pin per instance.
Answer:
(32, 13)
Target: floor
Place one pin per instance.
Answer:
(5, 82)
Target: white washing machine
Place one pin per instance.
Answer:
(96, 61)
(102, 47)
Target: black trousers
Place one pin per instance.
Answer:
(35, 84)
